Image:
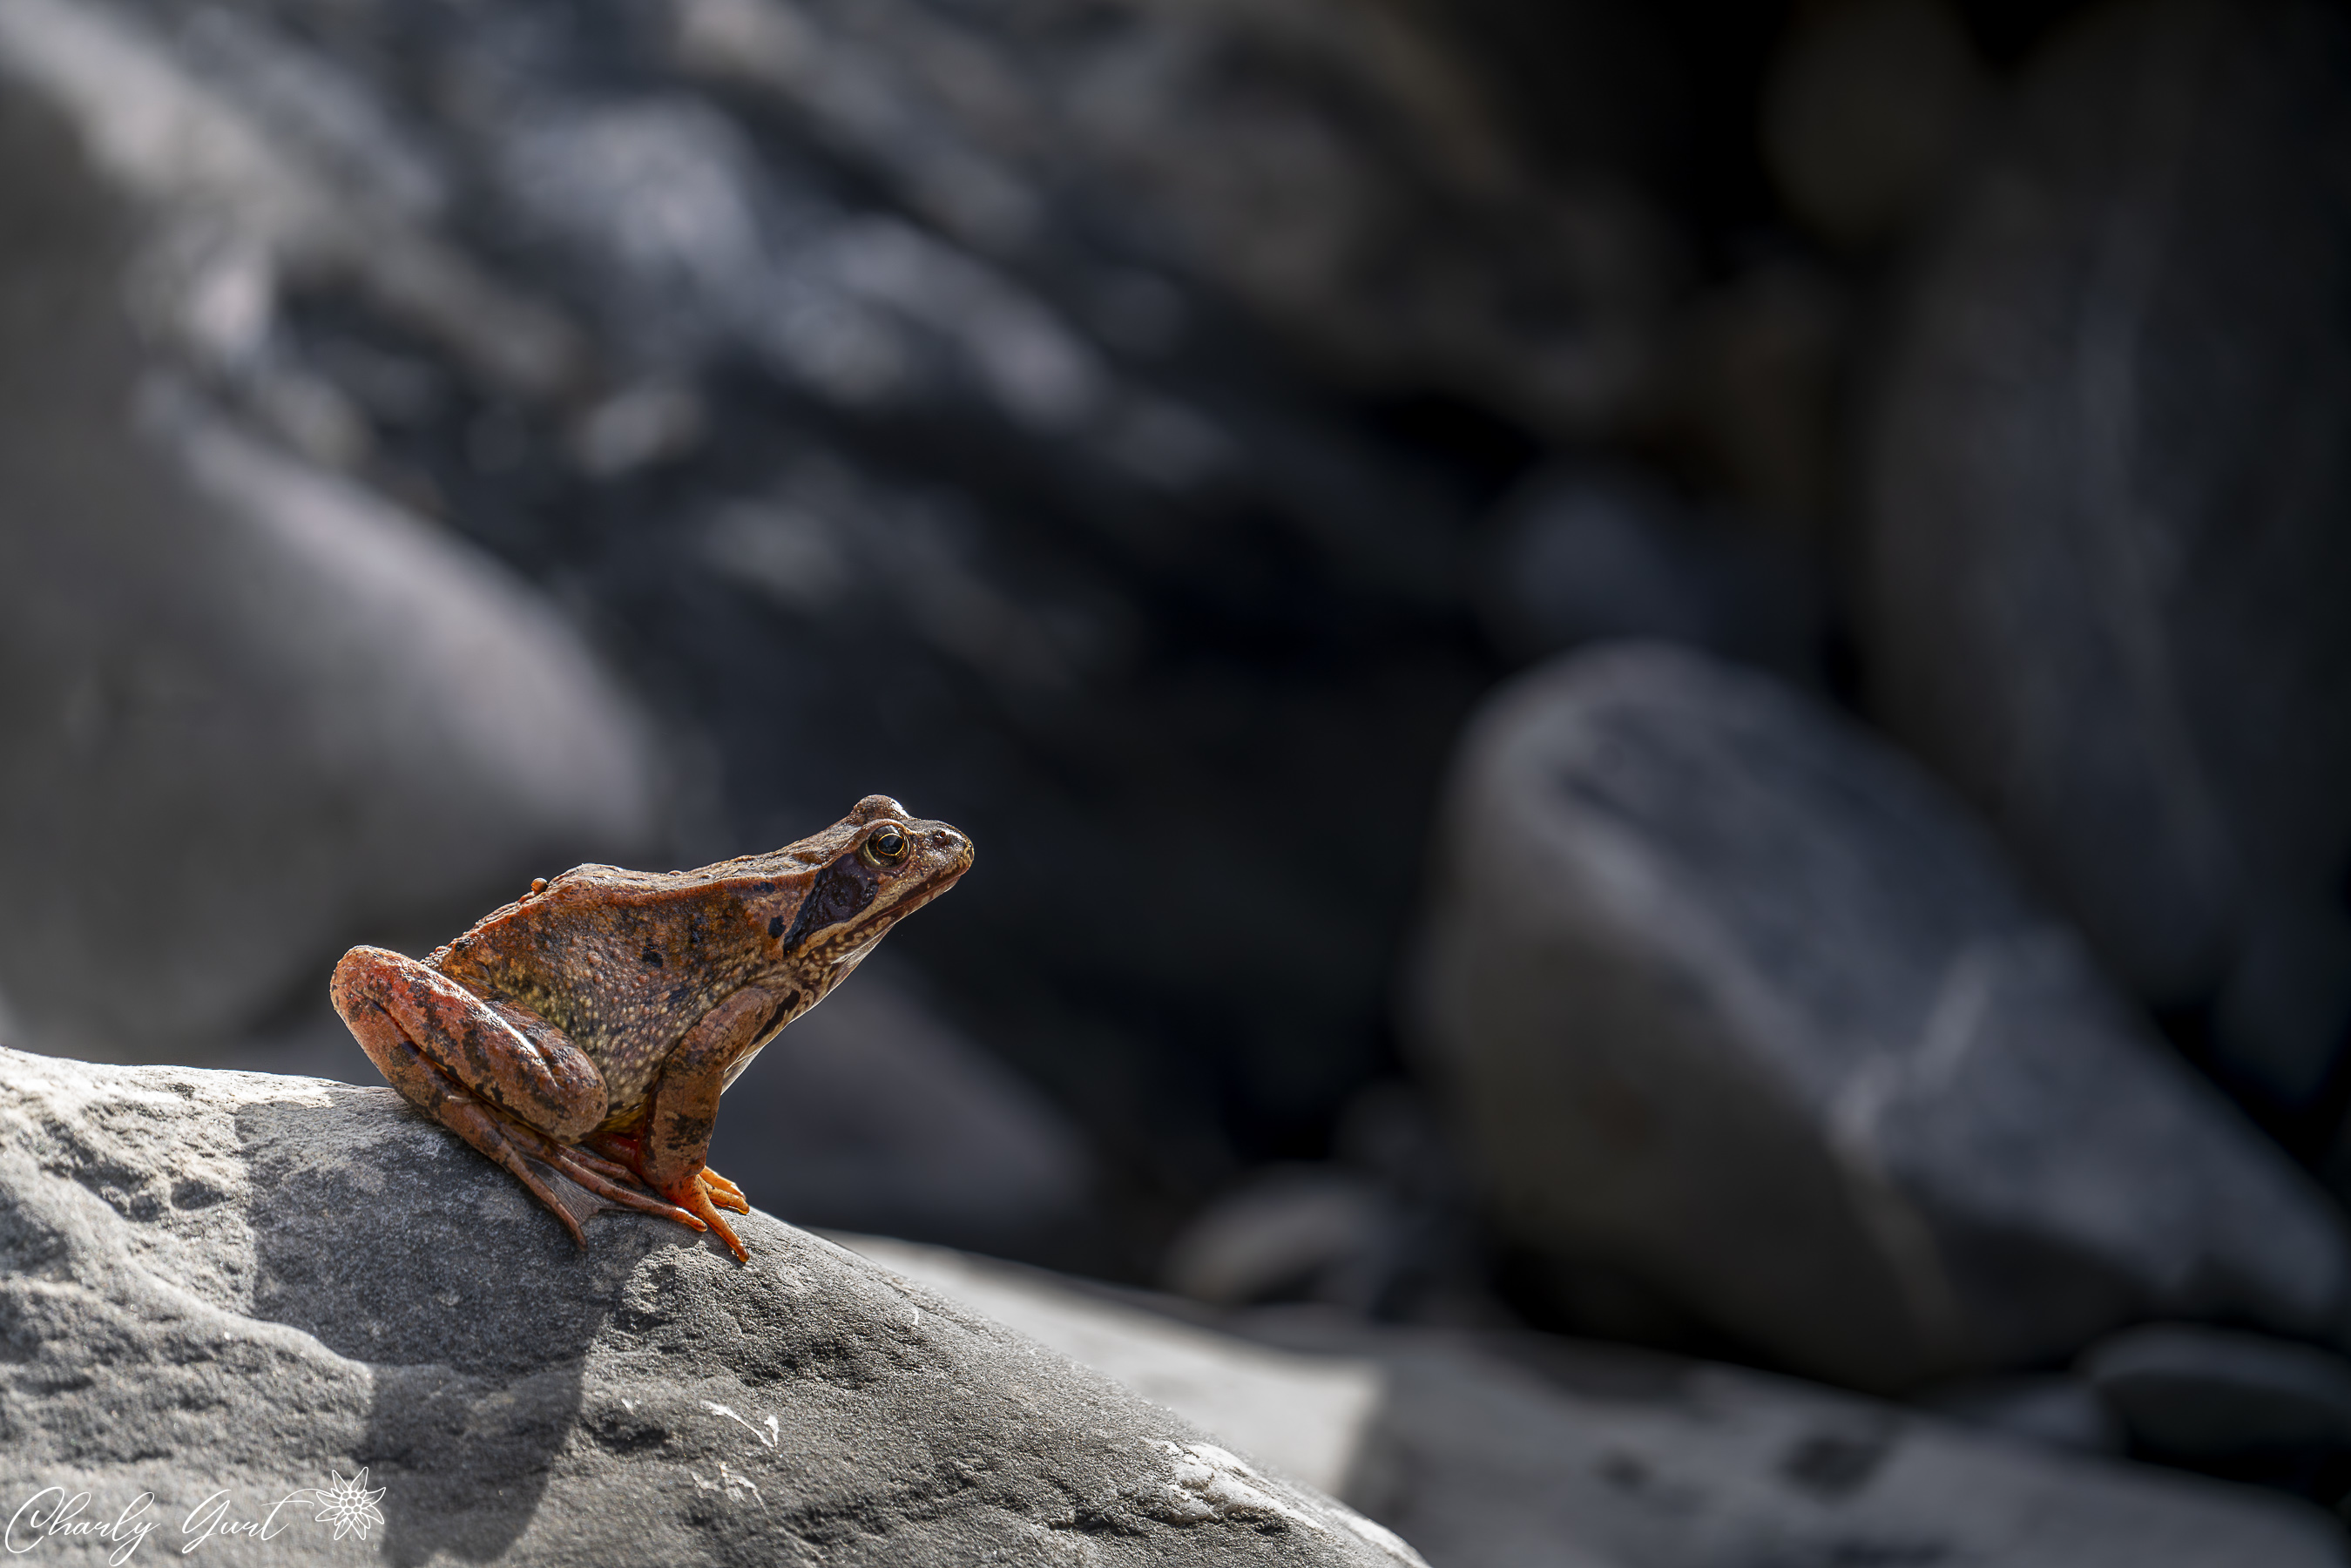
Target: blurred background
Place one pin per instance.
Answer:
(1673, 671)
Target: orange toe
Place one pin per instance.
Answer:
(725, 1194)
(691, 1197)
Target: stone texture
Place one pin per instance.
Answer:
(2105, 559)
(241, 1282)
(1733, 998)
(1516, 1452)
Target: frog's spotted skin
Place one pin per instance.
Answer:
(591, 1025)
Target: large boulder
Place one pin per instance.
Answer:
(1734, 998)
(1520, 1451)
(223, 1289)
(2106, 551)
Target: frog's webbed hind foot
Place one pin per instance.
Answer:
(607, 1181)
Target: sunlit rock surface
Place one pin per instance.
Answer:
(242, 1282)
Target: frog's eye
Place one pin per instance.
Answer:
(887, 846)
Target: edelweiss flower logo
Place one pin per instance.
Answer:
(350, 1506)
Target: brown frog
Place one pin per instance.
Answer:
(592, 1024)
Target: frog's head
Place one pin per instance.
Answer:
(853, 882)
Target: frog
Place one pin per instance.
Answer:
(584, 1033)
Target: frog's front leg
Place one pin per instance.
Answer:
(503, 1079)
(669, 1150)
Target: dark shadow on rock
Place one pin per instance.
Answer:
(377, 1233)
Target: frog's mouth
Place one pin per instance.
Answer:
(856, 955)
(911, 902)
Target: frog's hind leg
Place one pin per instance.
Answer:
(503, 1079)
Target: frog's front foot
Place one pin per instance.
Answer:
(697, 1197)
(725, 1192)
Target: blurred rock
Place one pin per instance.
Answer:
(2195, 1393)
(1866, 110)
(1292, 1232)
(989, 406)
(874, 1112)
(2057, 1412)
(1582, 554)
(1517, 1452)
(254, 711)
(1331, 166)
(1733, 998)
(1386, 1229)
(2105, 561)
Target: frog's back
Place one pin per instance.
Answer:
(624, 963)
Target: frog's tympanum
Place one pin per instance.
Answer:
(591, 1026)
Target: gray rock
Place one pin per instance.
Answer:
(1291, 1231)
(251, 704)
(1513, 1452)
(1735, 998)
(2105, 560)
(239, 1284)
(2204, 1393)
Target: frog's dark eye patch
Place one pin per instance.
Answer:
(840, 894)
(887, 846)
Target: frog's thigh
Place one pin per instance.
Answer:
(510, 1058)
